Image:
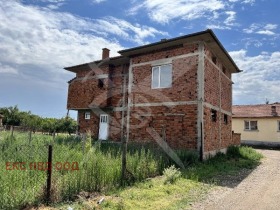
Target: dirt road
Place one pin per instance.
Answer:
(259, 189)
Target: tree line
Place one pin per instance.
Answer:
(34, 123)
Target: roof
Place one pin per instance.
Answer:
(113, 60)
(258, 111)
(207, 36)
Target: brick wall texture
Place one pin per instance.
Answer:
(171, 112)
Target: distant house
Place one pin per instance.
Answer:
(179, 90)
(258, 124)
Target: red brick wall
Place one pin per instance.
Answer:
(226, 93)
(211, 131)
(219, 63)
(177, 122)
(85, 92)
(91, 125)
(82, 93)
(165, 53)
(236, 138)
(211, 84)
(218, 93)
(184, 83)
(226, 130)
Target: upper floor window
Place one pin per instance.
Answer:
(213, 115)
(250, 125)
(278, 125)
(162, 76)
(100, 83)
(225, 119)
(87, 115)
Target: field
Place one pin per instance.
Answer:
(99, 171)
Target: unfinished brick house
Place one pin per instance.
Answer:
(178, 89)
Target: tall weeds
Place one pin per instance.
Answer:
(99, 167)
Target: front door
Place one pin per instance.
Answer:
(103, 127)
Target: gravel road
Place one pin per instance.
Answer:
(257, 189)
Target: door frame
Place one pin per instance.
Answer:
(103, 118)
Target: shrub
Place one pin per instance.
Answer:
(171, 174)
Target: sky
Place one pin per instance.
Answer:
(38, 38)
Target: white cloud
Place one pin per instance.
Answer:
(231, 18)
(40, 42)
(243, 1)
(261, 29)
(42, 37)
(265, 32)
(163, 11)
(225, 24)
(39, 36)
(124, 29)
(248, 2)
(217, 26)
(7, 69)
(260, 78)
(252, 42)
(270, 26)
(97, 1)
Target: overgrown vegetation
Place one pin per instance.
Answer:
(237, 157)
(171, 175)
(99, 171)
(99, 167)
(195, 182)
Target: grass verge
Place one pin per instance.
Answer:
(155, 193)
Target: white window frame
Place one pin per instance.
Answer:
(250, 127)
(87, 115)
(159, 66)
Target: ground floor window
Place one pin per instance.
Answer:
(250, 125)
(87, 115)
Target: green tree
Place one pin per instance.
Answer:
(11, 117)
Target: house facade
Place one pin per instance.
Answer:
(177, 90)
(258, 124)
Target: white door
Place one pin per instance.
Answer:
(103, 127)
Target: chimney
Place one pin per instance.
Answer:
(105, 53)
(273, 111)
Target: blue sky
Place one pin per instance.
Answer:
(40, 37)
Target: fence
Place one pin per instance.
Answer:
(27, 168)
(48, 169)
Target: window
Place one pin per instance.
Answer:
(213, 115)
(100, 83)
(162, 76)
(214, 59)
(250, 125)
(87, 115)
(225, 119)
(278, 126)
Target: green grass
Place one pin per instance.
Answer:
(100, 170)
(99, 167)
(195, 182)
(236, 158)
